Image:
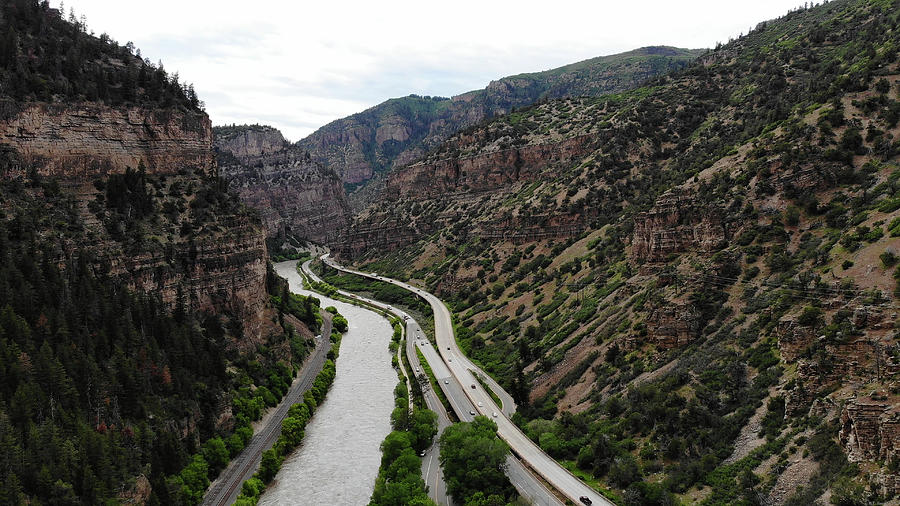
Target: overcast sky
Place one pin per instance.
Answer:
(298, 65)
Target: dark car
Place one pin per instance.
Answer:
(585, 500)
(473, 386)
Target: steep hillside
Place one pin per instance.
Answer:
(401, 130)
(689, 286)
(75, 105)
(140, 329)
(295, 196)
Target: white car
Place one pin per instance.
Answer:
(480, 405)
(495, 414)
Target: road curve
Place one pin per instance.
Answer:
(463, 371)
(225, 489)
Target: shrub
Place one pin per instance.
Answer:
(810, 317)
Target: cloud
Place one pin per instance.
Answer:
(299, 65)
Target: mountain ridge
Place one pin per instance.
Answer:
(400, 130)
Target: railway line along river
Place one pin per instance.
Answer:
(337, 463)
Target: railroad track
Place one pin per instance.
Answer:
(226, 488)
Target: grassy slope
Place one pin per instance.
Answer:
(762, 135)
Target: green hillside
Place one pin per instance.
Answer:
(400, 130)
(690, 286)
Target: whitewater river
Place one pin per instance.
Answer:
(338, 460)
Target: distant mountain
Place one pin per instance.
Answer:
(401, 130)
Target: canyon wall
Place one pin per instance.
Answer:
(483, 172)
(212, 274)
(293, 194)
(83, 140)
(221, 271)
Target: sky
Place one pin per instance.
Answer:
(298, 65)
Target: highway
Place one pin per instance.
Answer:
(522, 479)
(225, 489)
(464, 400)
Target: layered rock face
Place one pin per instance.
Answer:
(222, 272)
(870, 429)
(84, 140)
(384, 237)
(210, 274)
(249, 144)
(673, 326)
(293, 194)
(458, 185)
(482, 172)
(677, 223)
(870, 432)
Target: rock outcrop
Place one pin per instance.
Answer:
(676, 224)
(483, 172)
(793, 339)
(211, 274)
(84, 140)
(870, 432)
(866, 357)
(870, 429)
(673, 325)
(293, 194)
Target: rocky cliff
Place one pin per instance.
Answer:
(216, 274)
(294, 195)
(677, 223)
(482, 172)
(88, 139)
(217, 268)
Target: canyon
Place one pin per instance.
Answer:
(294, 195)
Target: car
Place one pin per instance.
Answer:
(446, 382)
(422, 453)
(495, 414)
(417, 369)
(585, 500)
(449, 360)
(472, 413)
(448, 347)
(480, 405)
(406, 317)
(473, 386)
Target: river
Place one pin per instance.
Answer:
(337, 463)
